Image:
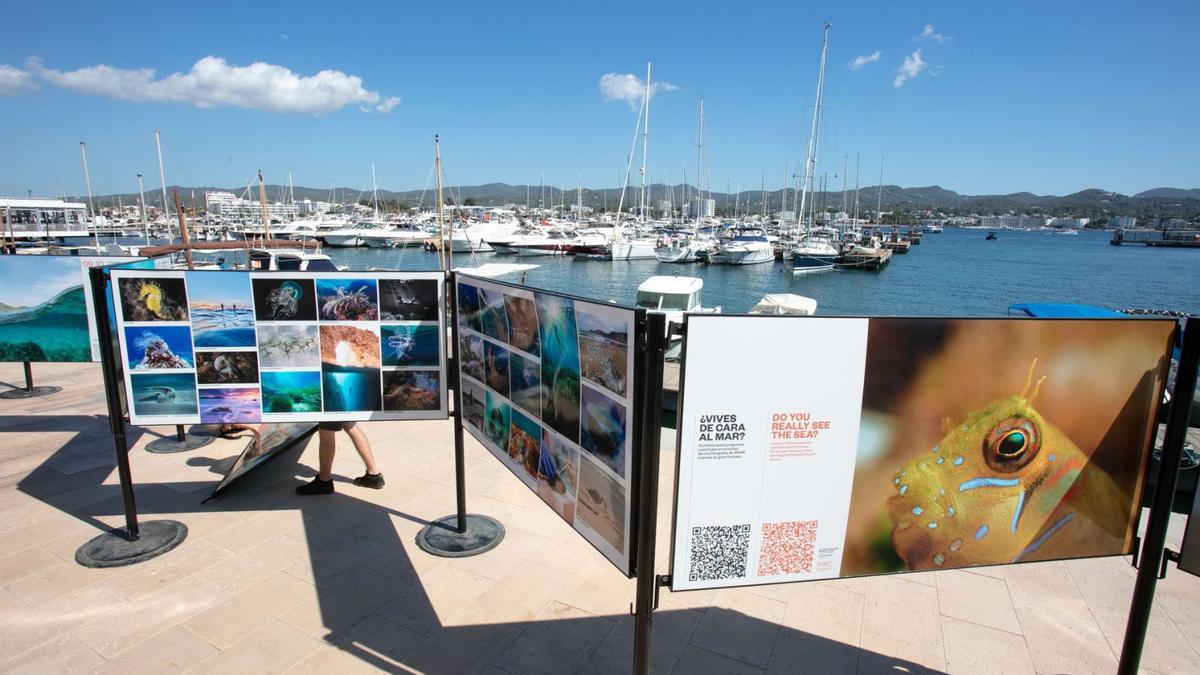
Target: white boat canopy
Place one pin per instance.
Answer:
(491, 270)
(671, 285)
(785, 303)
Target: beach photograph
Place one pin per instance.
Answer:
(604, 350)
(163, 394)
(153, 299)
(405, 390)
(468, 307)
(159, 347)
(408, 300)
(230, 406)
(43, 311)
(226, 367)
(472, 404)
(524, 444)
(350, 374)
(602, 430)
(558, 475)
(601, 504)
(470, 351)
(283, 299)
(495, 367)
(410, 345)
(524, 383)
(492, 320)
(522, 324)
(287, 346)
(291, 391)
(560, 364)
(495, 423)
(347, 299)
(222, 308)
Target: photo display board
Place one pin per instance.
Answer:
(547, 387)
(46, 311)
(223, 346)
(836, 447)
(1189, 550)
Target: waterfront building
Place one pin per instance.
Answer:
(1011, 222)
(1069, 223)
(38, 218)
(702, 208)
(1127, 222)
(228, 205)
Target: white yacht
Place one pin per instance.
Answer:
(683, 248)
(634, 249)
(749, 245)
(398, 235)
(553, 242)
(817, 251)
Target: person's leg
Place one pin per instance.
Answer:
(326, 451)
(362, 445)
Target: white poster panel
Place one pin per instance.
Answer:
(224, 346)
(767, 447)
(548, 389)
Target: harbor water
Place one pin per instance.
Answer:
(957, 273)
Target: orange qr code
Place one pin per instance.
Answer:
(787, 548)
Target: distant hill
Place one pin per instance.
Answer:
(1090, 203)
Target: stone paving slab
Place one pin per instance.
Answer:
(268, 582)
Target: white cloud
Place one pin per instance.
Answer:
(629, 88)
(860, 61)
(13, 80)
(912, 66)
(928, 33)
(213, 82)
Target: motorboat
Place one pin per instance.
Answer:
(781, 304)
(397, 235)
(634, 249)
(458, 241)
(290, 260)
(862, 251)
(553, 242)
(591, 243)
(747, 246)
(991, 236)
(351, 237)
(673, 296)
(816, 252)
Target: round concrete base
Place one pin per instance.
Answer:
(442, 538)
(114, 549)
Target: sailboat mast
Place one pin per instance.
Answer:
(142, 204)
(810, 159)
(374, 191)
(857, 157)
(879, 198)
(88, 183)
(437, 169)
(162, 179)
(699, 161)
(845, 179)
(782, 199)
(645, 141)
(262, 199)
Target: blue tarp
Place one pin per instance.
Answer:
(1053, 310)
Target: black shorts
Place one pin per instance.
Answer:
(334, 426)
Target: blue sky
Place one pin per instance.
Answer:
(1011, 96)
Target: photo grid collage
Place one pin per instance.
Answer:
(546, 387)
(223, 347)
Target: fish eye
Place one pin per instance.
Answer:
(1012, 444)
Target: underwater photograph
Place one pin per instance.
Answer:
(558, 475)
(350, 368)
(602, 430)
(163, 394)
(473, 404)
(601, 504)
(470, 351)
(283, 299)
(495, 423)
(495, 367)
(222, 308)
(291, 391)
(159, 347)
(560, 364)
(524, 382)
(408, 300)
(226, 367)
(603, 351)
(524, 444)
(1041, 459)
(492, 320)
(468, 307)
(411, 390)
(347, 299)
(230, 406)
(410, 345)
(43, 315)
(284, 346)
(153, 299)
(522, 324)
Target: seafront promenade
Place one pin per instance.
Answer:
(270, 582)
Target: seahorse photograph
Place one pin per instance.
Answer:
(283, 299)
(994, 441)
(156, 299)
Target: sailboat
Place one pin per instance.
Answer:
(817, 251)
(637, 248)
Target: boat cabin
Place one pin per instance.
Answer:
(670, 294)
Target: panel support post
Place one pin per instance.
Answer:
(651, 378)
(462, 534)
(29, 391)
(136, 542)
(1150, 560)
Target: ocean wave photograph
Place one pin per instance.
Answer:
(43, 315)
(230, 406)
(222, 308)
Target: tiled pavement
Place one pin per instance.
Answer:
(269, 582)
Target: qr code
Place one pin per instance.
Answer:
(787, 548)
(719, 552)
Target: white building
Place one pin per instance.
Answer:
(702, 208)
(228, 205)
(1069, 223)
(1011, 222)
(40, 218)
(1127, 222)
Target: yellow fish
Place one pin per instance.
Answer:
(151, 296)
(1004, 486)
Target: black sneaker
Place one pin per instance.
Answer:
(316, 487)
(370, 480)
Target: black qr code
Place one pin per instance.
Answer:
(719, 552)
